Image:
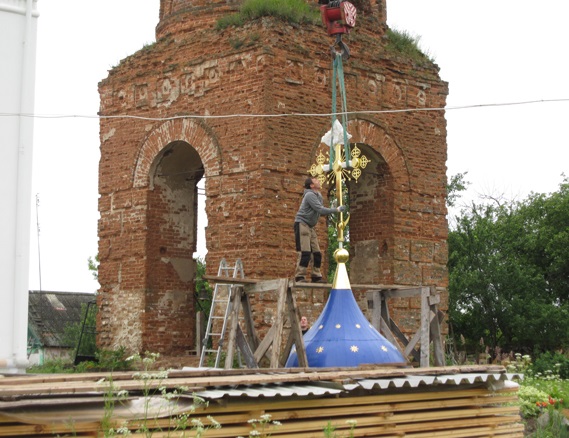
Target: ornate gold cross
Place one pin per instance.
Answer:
(340, 172)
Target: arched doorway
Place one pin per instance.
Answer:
(372, 220)
(172, 219)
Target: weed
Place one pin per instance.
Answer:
(262, 427)
(404, 44)
(330, 430)
(289, 11)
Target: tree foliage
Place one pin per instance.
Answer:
(331, 222)
(456, 185)
(509, 273)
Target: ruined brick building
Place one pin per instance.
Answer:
(254, 167)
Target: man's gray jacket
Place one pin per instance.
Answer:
(312, 208)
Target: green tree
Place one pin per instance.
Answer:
(509, 271)
(204, 292)
(455, 186)
(93, 264)
(87, 325)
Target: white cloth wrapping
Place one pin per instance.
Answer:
(338, 135)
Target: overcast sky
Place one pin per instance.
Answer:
(491, 53)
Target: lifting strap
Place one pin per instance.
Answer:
(338, 76)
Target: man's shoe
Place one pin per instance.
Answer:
(300, 280)
(317, 280)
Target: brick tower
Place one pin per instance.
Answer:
(254, 166)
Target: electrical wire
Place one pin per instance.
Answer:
(229, 116)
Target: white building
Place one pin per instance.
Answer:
(18, 35)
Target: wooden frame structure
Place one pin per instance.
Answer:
(254, 350)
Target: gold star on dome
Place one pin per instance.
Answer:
(338, 326)
(354, 348)
(320, 327)
(384, 348)
(319, 349)
(358, 326)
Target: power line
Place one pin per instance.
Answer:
(229, 116)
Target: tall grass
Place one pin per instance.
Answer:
(289, 11)
(405, 44)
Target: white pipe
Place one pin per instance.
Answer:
(23, 196)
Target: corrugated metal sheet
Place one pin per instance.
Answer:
(494, 381)
(450, 379)
(270, 390)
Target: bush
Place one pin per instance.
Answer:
(529, 398)
(551, 363)
(54, 366)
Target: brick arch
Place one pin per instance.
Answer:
(377, 137)
(192, 132)
(374, 202)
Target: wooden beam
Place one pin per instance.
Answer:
(265, 344)
(295, 331)
(245, 349)
(279, 323)
(262, 286)
(425, 326)
(234, 323)
(249, 323)
(386, 288)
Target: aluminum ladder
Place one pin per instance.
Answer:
(220, 303)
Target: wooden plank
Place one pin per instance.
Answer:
(252, 281)
(434, 299)
(436, 339)
(234, 323)
(249, 323)
(403, 293)
(262, 286)
(28, 430)
(202, 378)
(412, 342)
(296, 330)
(279, 323)
(42, 378)
(410, 408)
(425, 326)
(285, 353)
(230, 280)
(245, 349)
(377, 309)
(395, 425)
(401, 337)
(265, 344)
(373, 419)
(386, 331)
(479, 396)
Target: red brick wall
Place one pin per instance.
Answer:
(254, 167)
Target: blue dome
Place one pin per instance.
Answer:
(343, 337)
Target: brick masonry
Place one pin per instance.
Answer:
(254, 166)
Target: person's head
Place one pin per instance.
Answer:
(312, 183)
(304, 322)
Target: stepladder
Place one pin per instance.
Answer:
(220, 312)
